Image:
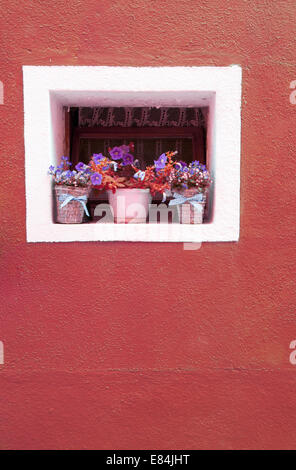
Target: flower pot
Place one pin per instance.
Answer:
(130, 205)
(191, 211)
(71, 203)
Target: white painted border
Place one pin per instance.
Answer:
(48, 89)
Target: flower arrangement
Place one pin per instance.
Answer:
(72, 188)
(190, 184)
(195, 176)
(122, 171)
(63, 175)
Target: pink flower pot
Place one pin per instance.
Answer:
(130, 206)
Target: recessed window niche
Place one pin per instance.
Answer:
(63, 104)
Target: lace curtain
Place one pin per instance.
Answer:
(141, 117)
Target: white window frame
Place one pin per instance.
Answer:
(48, 89)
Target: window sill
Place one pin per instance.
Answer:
(155, 232)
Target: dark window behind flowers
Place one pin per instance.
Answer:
(146, 150)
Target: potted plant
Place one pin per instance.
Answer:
(71, 188)
(190, 185)
(129, 188)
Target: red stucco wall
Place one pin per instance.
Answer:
(114, 345)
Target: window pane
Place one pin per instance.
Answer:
(146, 150)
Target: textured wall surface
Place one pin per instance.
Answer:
(131, 345)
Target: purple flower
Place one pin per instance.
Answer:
(125, 149)
(97, 157)
(80, 166)
(51, 168)
(160, 162)
(128, 159)
(116, 153)
(68, 174)
(65, 158)
(96, 179)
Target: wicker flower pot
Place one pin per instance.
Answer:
(130, 205)
(189, 212)
(71, 211)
